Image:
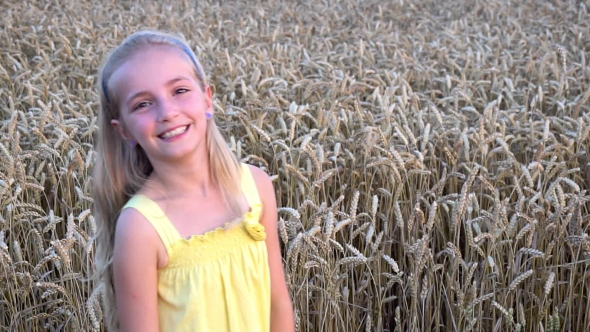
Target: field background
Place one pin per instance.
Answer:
(430, 157)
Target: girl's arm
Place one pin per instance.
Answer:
(281, 315)
(135, 273)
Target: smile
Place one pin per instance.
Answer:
(173, 133)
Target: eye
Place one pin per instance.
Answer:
(141, 105)
(180, 90)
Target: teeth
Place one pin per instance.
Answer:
(174, 132)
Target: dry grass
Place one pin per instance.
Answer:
(430, 158)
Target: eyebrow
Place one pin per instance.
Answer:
(169, 83)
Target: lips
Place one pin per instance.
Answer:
(173, 132)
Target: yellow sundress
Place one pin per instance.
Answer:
(218, 281)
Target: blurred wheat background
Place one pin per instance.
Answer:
(430, 157)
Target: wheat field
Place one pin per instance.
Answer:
(429, 157)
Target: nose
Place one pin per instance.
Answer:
(167, 110)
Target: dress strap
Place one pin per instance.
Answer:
(249, 186)
(252, 217)
(154, 214)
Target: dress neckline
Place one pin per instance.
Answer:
(204, 235)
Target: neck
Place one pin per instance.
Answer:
(191, 177)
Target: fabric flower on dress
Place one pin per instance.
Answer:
(252, 223)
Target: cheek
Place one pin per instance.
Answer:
(141, 125)
(196, 104)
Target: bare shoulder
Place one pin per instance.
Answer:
(132, 223)
(267, 195)
(262, 180)
(135, 237)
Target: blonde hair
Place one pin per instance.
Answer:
(121, 170)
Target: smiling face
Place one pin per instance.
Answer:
(161, 104)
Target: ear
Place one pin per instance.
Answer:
(209, 99)
(119, 128)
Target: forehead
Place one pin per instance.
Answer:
(149, 69)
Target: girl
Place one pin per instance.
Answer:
(188, 236)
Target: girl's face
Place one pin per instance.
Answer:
(162, 108)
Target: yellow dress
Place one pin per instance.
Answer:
(218, 281)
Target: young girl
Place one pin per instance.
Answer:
(188, 236)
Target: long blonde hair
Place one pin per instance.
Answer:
(121, 170)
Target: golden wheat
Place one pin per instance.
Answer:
(419, 169)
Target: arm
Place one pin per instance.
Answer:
(135, 273)
(281, 314)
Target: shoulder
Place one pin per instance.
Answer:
(265, 189)
(134, 230)
(261, 178)
(131, 220)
